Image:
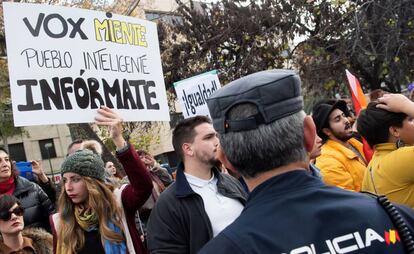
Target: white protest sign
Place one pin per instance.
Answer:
(193, 93)
(66, 62)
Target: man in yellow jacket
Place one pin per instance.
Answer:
(342, 162)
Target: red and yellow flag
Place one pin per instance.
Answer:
(358, 96)
(360, 102)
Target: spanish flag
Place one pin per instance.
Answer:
(360, 102)
(358, 97)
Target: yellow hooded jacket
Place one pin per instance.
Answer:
(340, 166)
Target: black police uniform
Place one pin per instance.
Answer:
(297, 213)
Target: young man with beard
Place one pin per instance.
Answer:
(202, 201)
(342, 162)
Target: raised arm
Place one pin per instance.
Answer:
(44, 182)
(137, 192)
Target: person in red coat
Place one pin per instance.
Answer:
(94, 216)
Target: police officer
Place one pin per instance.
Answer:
(266, 136)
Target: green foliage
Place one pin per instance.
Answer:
(7, 128)
(143, 135)
(234, 37)
(145, 141)
(373, 39)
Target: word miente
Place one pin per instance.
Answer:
(120, 32)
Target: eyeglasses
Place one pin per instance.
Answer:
(6, 215)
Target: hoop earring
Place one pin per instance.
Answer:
(400, 143)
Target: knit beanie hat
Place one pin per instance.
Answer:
(85, 163)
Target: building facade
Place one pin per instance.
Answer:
(45, 143)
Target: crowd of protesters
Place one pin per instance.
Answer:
(260, 176)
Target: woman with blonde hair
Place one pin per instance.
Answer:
(94, 216)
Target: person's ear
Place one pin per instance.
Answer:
(309, 131)
(187, 149)
(327, 132)
(394, 132)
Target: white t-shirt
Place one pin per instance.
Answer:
(221, 210)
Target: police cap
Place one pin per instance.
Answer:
(276, 94)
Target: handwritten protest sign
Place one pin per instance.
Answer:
(194, 91)
(65, 62)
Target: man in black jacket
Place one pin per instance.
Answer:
(202, 201)
(267, 137)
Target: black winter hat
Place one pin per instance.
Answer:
(321, 112)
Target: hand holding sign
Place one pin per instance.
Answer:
(113, 120)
